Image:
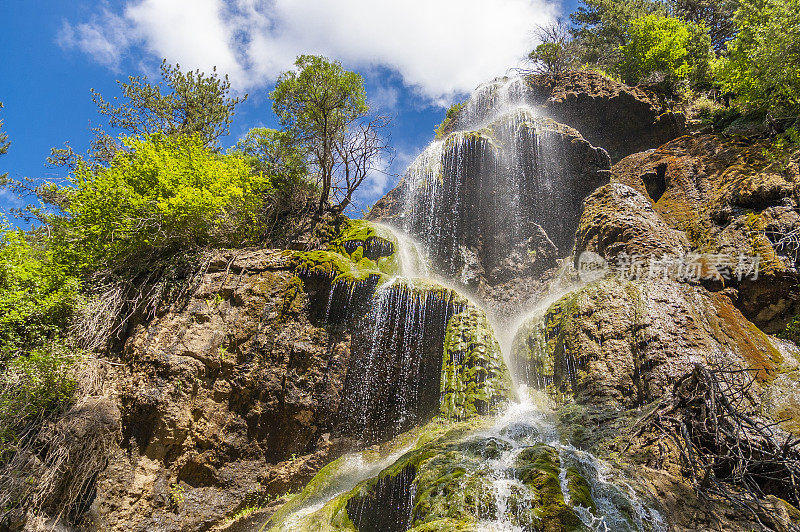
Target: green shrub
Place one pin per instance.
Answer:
(703, 108)
(449, 117)
(661, 44)
(160, 195)
(762, 68)
(36, 295)
(33, 387)
(276, 154)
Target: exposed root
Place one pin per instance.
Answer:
(725, 449)
(51, 476)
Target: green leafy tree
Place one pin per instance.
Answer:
(159, 195)
(660, 44)
(323, 106)
(762, 67)
(556, 52)
(276, 154)
(36, 294)
(181, 103)
(600, 26)
(716, 15)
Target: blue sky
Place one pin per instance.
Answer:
(416, 56)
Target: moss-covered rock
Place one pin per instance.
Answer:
(625, 342)
(475, 379)
(730, 197)
(342, 278)
(539, 468)
(454, 476)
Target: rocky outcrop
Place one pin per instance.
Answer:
(609, 114)
(729, 199)
(611, 354)
(621, 119)
(275, 364)
(624, 343)
(619, 220)
(218, 393)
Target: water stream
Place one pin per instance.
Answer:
(474, 190)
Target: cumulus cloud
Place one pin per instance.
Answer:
(440, 48)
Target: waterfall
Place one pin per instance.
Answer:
(504, 180)
(498, 192)
(393, 382)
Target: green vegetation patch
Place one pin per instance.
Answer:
(345, 260)
(539, 468)
(475, 380)
(449, 119)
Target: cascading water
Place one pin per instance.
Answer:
(505, 180)
(393, 381)
(501, 185)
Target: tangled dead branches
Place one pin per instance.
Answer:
(52, 473)
(727, 450)
(135, 294)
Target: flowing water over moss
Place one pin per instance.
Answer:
(463, 446)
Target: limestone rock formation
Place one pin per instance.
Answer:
(620, 118)
(277, 363)
(618, 219)
(497, 206)
(611, 354)
(729, 199)
(623, 343)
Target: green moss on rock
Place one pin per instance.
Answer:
(475, 380)
(539, 467)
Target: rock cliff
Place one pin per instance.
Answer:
(472, 375)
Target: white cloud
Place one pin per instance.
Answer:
(105, 38)
(439, 47)
(384, 98)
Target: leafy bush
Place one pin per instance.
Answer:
(600, 26)
(703, 108)
(33, 387)
(763, 64)
(449, 117)
(36, 295)
(276, 154)
(158, 195)
(660, 44)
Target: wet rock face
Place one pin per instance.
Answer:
(498, 206)
(497, 199)
(621, 344)
(393, 381)
(219, 389)
(621, 119)
(421, 351)
(618, 219)
(726, 198)
(609, 114)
